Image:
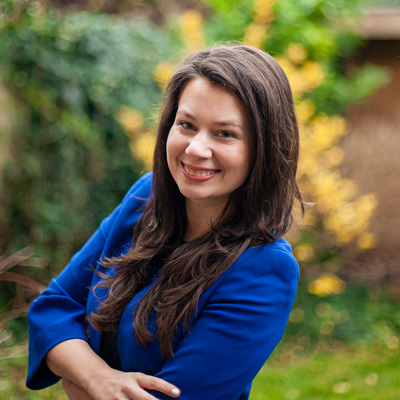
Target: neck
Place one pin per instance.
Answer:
(200, 218)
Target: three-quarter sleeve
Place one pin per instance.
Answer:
(237, 329)
(59, 313)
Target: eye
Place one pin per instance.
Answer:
(186, 125)
(226, 134)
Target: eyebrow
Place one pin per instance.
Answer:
(219, 123)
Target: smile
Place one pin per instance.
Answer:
(200, 174)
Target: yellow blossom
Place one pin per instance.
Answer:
(256, 32)
(367, 204)
(296, 53)
(303, 252)
(163, 73)
(130, 119)
(143, 148)
(326, 284)
(366, 241)
(333, 157)
(305, 110)
(255, 35)
(312, 73)
(263, 10)
(286, 65)
(192, 30)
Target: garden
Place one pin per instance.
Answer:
(79, 90)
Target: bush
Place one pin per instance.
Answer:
(69, 162)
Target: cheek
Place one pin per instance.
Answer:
(173, 148)
(169, 149)
(243, 158)
(175, 145)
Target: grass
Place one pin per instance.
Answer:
(12, 383)
(356, 374)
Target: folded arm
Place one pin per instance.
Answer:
(87, 376)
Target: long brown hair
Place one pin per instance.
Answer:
(258, 212)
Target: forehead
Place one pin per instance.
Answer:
(202, 96)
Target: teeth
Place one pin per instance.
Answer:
(197, 172)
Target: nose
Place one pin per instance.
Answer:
(199, 145)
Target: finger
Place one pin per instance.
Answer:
(153, 383)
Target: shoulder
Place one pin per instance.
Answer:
(117, 227)
(276, 256)
(137, 196)
(141, 189)
(261, 268)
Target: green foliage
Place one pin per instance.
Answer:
(338, 90)
(228, 21)
(70, 163)
(358, 316)
(318, 26)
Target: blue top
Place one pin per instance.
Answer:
(239, 321)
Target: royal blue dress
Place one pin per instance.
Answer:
(239, 321)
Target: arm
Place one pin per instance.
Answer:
(58, 314)
(87, 376)
(237, 329)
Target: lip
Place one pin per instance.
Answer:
(201, 174)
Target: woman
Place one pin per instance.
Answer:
(193, 284)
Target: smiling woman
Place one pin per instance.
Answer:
(208, 150)
(187, 286)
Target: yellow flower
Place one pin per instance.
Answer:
(192, 30)
(296, 53)
(256, 32)
(263, 10)
(312, 73)
(255, 35)
(131, 120)
(326, 284)
(143, 148)
(163, 73)
(367, 204)
(305, 110)
(333, 157)
(366, 241)
(304, 252)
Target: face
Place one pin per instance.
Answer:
(208, 147)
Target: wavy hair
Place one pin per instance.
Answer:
(258, 212)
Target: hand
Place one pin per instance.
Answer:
(74, 392)
(126, 386)
(97, 381)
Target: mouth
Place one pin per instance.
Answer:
(201, 173)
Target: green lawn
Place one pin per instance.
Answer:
(356, 374)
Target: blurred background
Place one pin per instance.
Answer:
(80, 83)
